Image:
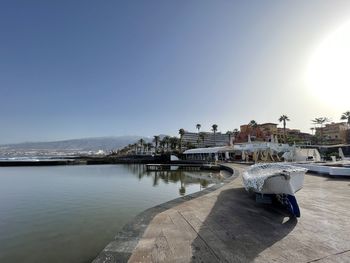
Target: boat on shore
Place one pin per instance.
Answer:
(310, 159)
(337, 168)
(275, 180)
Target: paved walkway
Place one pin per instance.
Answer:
(227, 225)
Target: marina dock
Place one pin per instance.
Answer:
(227, 225)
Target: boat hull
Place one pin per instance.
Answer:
(282, 185)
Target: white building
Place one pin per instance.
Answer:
(206, 139)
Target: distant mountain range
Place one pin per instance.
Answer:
(85, 144)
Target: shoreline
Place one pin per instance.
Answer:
(120, 249)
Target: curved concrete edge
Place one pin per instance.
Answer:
(121, 248)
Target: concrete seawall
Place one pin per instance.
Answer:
(124, 243)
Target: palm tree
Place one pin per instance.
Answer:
(167, 141)
(162, 145)
(235, 133)
(182, 133)
(229, 133)
(284, 119)
(173, 142)
(320, 121)
(346, 116)
(149, 146)
(142, 142)
(156, 139)
(253, 124)
(198, 127)
(214, 129)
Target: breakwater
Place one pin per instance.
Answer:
(88, 160)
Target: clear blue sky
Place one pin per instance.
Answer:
(71, 69)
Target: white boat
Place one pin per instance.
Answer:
(276, 179)
(311, 160)
(337, 168)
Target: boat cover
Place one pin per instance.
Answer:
(254, 177)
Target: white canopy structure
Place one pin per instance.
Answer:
(263, 151)
(209, 154)
(262, 146)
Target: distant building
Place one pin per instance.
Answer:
(205, 139)
(348, 136)
(333, 133)
(268, 128)
(264, 132)
(295, 135)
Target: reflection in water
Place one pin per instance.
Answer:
(69, 213)
(185, 178)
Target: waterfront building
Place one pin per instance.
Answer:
(262, 132)
(205, 139)
(269, 128)
(333, 133)
(265, 131)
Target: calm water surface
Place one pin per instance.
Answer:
(69, 213)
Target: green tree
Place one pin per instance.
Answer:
(167, 142)
(142, 143)
(214, 128)
(198, 127)
(346, 116)
(320, 121)
(235, 133)
(174, 141)
(253, 125)
(149, 146)
(182, 133)
(156, 140)
(162, 145)
(284, 119)
(292, 140)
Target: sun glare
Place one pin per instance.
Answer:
(328, 75)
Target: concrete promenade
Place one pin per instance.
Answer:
(227, 225)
